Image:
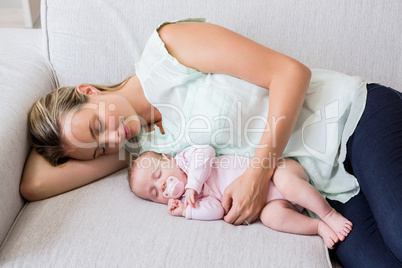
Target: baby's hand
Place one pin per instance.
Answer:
(176, 207)
(191, 196)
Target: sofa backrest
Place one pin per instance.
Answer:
(96, 41)
(25, 76)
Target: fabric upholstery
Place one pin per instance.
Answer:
(347, 36)
(98, 41)
(25, 76)
(105, 225)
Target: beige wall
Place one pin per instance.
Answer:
(10, 4)
(31, 10)
(25, 12)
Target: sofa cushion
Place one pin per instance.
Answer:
(25, 76)
(105, 225)
(98, 41)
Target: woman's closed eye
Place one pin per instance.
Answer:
(101, 130)
(95, 130)
(100, 127)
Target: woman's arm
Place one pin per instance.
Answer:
(213, 49)
(41, 180)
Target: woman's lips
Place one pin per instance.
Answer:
(126, 132)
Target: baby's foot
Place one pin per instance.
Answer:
(339, 224)
(329, 236)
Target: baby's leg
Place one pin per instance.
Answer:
(282, 216)
(292, 182)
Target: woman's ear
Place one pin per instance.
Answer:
(88, 90)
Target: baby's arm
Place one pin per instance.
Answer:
(198, 158)
(207, 208)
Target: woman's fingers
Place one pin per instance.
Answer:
(242, 214)
(233, 205)
(231, 216)
(240, 211)
(238, 217)
(237, 212)
(245, 197)
(226, 202)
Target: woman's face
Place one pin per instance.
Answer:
(102, 126)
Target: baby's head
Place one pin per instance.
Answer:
(149, 173)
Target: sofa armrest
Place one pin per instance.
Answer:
(25, 76)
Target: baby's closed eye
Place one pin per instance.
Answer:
(158, 174)
(155, 192)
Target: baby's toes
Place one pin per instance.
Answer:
(335, 238)
(344, 235)
(345, 232)
(341, 236)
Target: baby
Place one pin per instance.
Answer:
(192, 184)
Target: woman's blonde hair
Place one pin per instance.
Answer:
(44, 120)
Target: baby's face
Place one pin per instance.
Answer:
(151, 175)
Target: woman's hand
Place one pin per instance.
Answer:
(246, 196)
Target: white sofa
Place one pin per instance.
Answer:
(97, 41)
